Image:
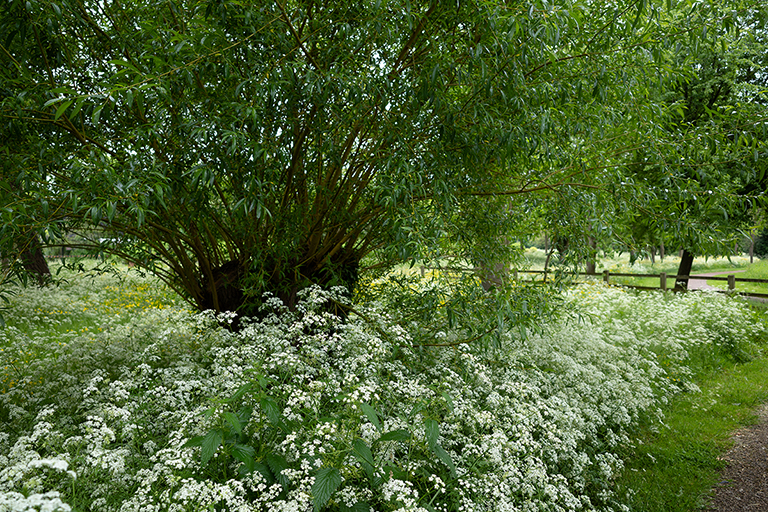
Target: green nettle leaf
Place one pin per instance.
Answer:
(244, 414)
(270, 409)
(370, 413)
(244, 454)
(364, 455)
(234, 421)
(210, 444)
(357, 507)
(241, 391)
(277, 464)
(327, 481)
(195, 441)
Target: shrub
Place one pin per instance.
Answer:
(299, 411)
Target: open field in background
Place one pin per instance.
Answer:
(620, 264)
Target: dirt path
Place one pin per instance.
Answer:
(743, 484)
(701, 284)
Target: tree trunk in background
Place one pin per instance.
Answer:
(591, 263)
(32, 259)
(492, 277)
(661, 252)
(686, 263)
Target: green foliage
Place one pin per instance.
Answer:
(234, 148)
(152, 406)
(675, 468)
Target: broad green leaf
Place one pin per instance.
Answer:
(357, 507)
(327, 481)
(396, 435)
(277, 464)
(241, 391)
(195, 441)
(270, 409)
(233, 421)
(244, 454)
(370, 413)
(244, 414)
(445, 458)
(431, 432)
(210, 444)
(364, 455)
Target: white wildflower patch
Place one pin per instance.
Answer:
(165, 410)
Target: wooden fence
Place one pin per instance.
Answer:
(665, 278)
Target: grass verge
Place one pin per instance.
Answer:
(674, 467)
(758, 270)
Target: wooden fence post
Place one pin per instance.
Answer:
(663, 281)
(731, 282)
(606, 277)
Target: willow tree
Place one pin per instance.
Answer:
(234, 148)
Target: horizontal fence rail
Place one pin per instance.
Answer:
(663, 279)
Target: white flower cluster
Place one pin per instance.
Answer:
(532, 425)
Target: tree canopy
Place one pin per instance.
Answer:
(234, 148)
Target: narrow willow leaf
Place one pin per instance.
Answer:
(62, 108)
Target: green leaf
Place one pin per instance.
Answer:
(364, 455)
(244, 454)
(448, 400)
(62, 108)
(97, 114)
(327, 481)
(277, 464)
(241, 391)
(210, 444)
(244, 414)
(396, 435)
(233, 421)
(264, 471)
(271, 409)
(370, 413)
(195, 441)
(431, 432)
(360, 506)
(445, 458)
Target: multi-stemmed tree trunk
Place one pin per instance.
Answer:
(237, 148)
(32, 259)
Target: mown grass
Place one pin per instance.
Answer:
(759, 270)
(675, 467)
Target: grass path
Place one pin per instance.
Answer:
(675, 468)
